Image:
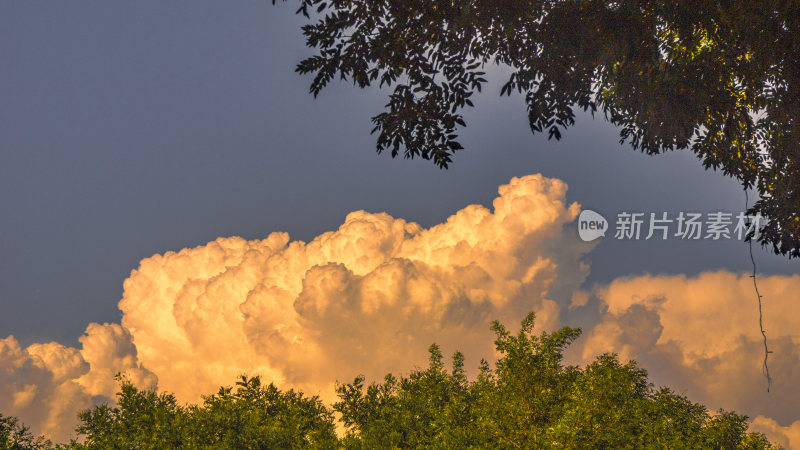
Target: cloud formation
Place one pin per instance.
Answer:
(369, 297)
(788, 436)
(700, 335)
(46, 385)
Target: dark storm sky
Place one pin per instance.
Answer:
(128, 129)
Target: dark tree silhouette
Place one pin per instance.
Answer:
(721, 78)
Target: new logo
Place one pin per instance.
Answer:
(591, 225)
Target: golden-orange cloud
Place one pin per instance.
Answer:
(786, 436)
(700, 335)
(46, 385)
(366, 298)
(370, 297)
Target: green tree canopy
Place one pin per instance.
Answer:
(15, 436)
(721, 78)
(252, 416)
(529, 399)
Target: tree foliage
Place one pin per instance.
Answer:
(721, 78)
(256, 416)
(529, 399)
(252, 416)
(142, 419)
(15, 436)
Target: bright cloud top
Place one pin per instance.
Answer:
(366, 298)
(369, 297)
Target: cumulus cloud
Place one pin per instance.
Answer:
(46, 385)
(700, 335)
(38, 385)
(367, 298)
(788, 436)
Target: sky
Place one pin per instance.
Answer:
(128, 131)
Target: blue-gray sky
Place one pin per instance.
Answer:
(128, 129)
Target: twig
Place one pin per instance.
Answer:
(765, 368)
